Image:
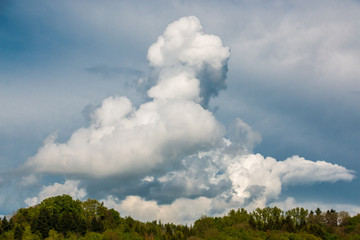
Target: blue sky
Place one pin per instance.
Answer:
(292, 89)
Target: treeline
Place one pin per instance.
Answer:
(61, 217)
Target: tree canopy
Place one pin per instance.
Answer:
(62, 217)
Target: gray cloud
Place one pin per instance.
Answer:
(170, 150)
(211, 82)
(256, 192)
(246, 180)
(292, 68)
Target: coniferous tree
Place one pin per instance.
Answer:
(318, 216)
(5, 224)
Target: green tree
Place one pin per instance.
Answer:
(42, 224)
(110, 235)
(18, 232)
(67, 223)
(64, 214)
(1, 226)
(288, 224)
(343, 218)
(5, 225)
(96, 225)
(90, 207)
(28, 235)
(331, 218)
(53, 235)
(318, 216)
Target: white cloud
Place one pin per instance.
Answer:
(255, 181)
(180, 211)
(148, 179)
(174, 143)
(122, 140)
(297, 169)
(132, 142)
(69, 187)
(258, 180)
(184, 42)
(192, 64)
(254, 176)
(182, 85)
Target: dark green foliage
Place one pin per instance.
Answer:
(18, 232)
(5, 226)
(66, 223)
(43, 223)
(62, 217)
(353, 227)
(96, 225)
(204, 224)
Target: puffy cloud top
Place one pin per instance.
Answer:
(131, 142)
(183, 42)
(193, 65)
(255, 181)
(69, 187)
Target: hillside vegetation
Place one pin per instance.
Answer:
(61, 217)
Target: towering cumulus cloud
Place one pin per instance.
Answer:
(174, 159)
(194, 64)
(123, 140)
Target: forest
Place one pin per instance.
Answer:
(62, 217)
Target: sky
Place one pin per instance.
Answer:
(176, 109)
